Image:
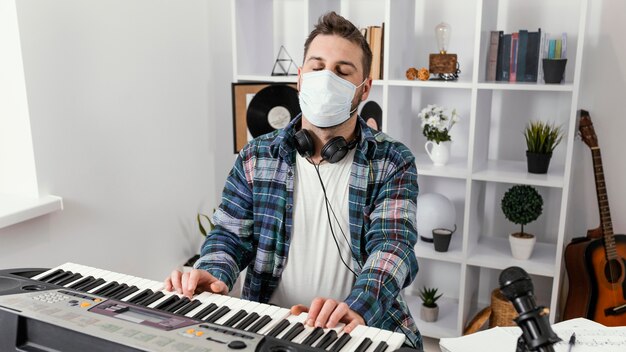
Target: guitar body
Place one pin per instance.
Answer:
(608, 277)
(580, 292)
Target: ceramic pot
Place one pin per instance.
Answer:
(522, 246)
(441, 239)
(439, 153)
(538, 163)
(429, 314)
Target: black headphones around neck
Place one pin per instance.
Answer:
(333, 151)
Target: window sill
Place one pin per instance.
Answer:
(15, 209)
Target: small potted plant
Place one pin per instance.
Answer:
(541, 139)
(436, 126)
(522, 204)
(430, 309)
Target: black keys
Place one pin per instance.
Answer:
(327, 340)
(106, 287)
(278, 328)
(251, 318)
(141, 296)
(340, 343)
(168, 301)
(189, 307)
(235, 318)
(86, 280)
(52, 275)
(176, 305)
(205, 311)
(295, 330)
(151, 299)
(313, 336)
(72, 278)
(364, 345)
(217, 314)
(91, 285)
(260, 323)
(125, 292)
(382, 346)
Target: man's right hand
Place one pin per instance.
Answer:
(195, 281)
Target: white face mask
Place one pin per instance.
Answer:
(325, 98)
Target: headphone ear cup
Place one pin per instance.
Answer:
(335, 149)
(304, 143)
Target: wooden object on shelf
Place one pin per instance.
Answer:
(442, 63)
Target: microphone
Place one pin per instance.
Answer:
(515, 284)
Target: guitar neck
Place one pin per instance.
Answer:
(603, 205)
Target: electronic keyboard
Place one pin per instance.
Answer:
(75, 308)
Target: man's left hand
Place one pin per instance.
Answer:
(327, 313)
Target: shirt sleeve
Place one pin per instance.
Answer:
(228, 248)
(391, 264)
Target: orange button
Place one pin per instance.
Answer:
(97, 300)
(191, 331)
(85, 304)
(199, 333)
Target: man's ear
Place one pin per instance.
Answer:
(366, 89)
(299, 78)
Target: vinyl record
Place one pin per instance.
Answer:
(272, 108)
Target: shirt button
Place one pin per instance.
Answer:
(288, 206)
(289, 173)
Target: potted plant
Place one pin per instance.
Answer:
(436, 126)
(522, 204)
(203, 231)
(430, 309)
(541, 139)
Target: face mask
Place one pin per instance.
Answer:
(325, 98)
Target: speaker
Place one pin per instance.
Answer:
(333, 151)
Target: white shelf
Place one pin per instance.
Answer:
(563, 87)
(516, 172)
(15, 209)
(445, 326)
(461, 84)
(453, 255)
(455, 168)
(495, 253)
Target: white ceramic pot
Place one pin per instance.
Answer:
(522, 248)
(439, 153)
(429, 314)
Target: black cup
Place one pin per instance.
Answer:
(553, 70)
(441, 239)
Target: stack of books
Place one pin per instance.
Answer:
(375, 38)
(517, 57)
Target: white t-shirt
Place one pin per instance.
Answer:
(314, 267)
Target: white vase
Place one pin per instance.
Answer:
(439, 153)
(522, 248)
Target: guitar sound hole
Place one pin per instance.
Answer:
(613, 271)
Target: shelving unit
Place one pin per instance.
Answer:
(488, 149)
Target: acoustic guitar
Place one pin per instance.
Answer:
(595, 264)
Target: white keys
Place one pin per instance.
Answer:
(64, 267)
(293, 319)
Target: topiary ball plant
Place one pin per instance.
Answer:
(522, 204)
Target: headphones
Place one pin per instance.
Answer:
(333, 151)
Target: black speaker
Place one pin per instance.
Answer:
(333, 151)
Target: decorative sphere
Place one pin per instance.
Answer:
(434, 210)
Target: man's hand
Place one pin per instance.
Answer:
(194, 281)
(326, 313)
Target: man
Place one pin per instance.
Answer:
(275, 217)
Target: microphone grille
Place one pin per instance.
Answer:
(515, 282)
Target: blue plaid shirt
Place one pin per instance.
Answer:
(253, 224)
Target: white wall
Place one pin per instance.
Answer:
(603, 90)
(129, 104)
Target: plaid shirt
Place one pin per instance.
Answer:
(253, 224)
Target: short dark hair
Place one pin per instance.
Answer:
(333, 24)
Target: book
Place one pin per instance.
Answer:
(492, 55)
(505, 58)
(532, 56)
(499, 58)
(557, 49)
(542, 54)
(564, 45)
(522, 47)
(376, 48)
(551, 48)
(513, 58)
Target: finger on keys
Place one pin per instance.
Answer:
(353, 320)
(173, 282)
(190, 283)
(340, 311)
(184, 283)
(314, 310)
(299, 308)
(219, 287)
(327, 309)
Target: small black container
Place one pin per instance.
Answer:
(553, 70)
(538, 163)
(441, 239)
